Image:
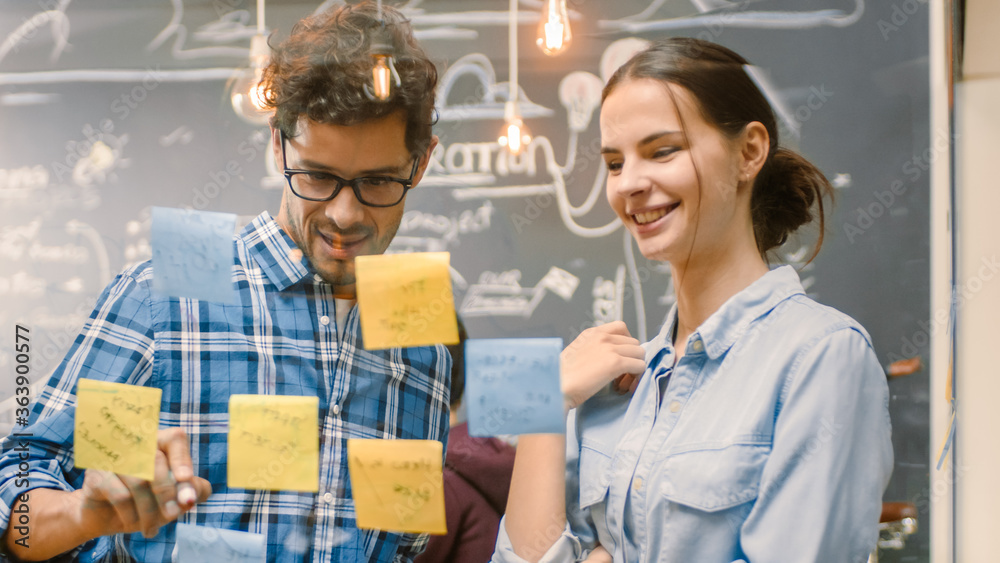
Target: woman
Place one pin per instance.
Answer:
(754, 426)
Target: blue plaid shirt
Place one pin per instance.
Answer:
(280, 339)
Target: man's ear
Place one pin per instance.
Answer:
(276, 145)
(425, 160)
(755, 143)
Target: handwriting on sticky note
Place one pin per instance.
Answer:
(193, 254)
(201, 543)
(405, 300)
(273, 443)
(397, 485)
(512, 386)
(115, 427)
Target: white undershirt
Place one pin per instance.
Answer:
(342, 307)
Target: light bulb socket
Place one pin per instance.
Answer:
(381, 43)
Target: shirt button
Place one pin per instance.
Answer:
(324, 320)
(697, 346)
(328, 498)
(335, 409)
(675, 406)
(637, 484)
(317, 277)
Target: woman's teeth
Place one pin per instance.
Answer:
(650, 216)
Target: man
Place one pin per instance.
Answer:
(349, 161)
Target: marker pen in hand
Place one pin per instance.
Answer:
(186, 494)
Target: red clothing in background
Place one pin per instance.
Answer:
(476, 483)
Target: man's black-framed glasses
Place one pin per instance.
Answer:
(373, 191)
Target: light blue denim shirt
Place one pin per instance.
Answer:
(771, 443)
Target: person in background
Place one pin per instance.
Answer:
(349, 162)
(476, 482)
(754, 426)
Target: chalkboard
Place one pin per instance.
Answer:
(111, 107)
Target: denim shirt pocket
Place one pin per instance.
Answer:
(595, 475)
(714, 478)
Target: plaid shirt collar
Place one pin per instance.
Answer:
(279, 257)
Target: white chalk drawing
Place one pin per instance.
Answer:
(490, 98)
(501, 294)
(138, 234)
(714, 13)
(636, 282)
(445, 25)
(781, 109)
(609, 298)
(12, 99)
(56, 20)
(91, 235)
(618, 53)
(444, 230)
(182, 135)
(22, 284)
(796, 256)
(228, 27)
(99, 164)
(19, 184)
(475, 170)
(841, 180)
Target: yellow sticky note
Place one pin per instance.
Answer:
(115, 427)
(397, 485)
(273, 443)
(405, 300)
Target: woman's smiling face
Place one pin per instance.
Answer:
(673, 183)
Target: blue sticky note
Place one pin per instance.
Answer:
(193, 254)
(512, 386)
(201, 543)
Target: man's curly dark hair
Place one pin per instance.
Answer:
(321, 70)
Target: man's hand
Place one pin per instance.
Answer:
(128, 504)
(598, 356)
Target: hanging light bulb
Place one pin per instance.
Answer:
(248, 91)
(554, 34)
(381, 77)
(384, 71)
(514, 135)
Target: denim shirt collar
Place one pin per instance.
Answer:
(726, 325)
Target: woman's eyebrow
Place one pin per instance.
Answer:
(657, 136)
(651, 138)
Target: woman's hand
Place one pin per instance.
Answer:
(598, 356)
(599, 555)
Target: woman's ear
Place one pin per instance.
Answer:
(755, 143)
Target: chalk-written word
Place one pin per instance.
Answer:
(501, 293)
(23, 284)
(23, 178)
(477, 160)
(449, 228)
